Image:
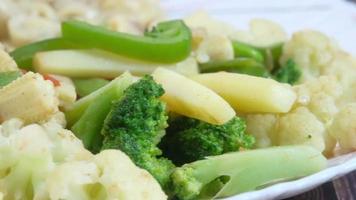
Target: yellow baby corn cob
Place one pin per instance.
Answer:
(30, 98)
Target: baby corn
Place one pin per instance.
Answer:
(30, 98)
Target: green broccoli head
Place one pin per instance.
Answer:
(190, 139)
(288, 73)
(136, 124)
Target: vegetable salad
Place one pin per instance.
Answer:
(177, 109)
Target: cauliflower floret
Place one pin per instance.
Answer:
(65, 91)
(261, 127)
(45, 161)
(311, 50)
(343, 127)
(210, 38)
(320, 96)
(300, 127)
(120, 176)
(215, 47)
(69, 180)
(262, 33)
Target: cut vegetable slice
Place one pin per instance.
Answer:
(97, 63)
(249, 93)
(189, 98)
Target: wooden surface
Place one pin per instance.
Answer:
(343, 188)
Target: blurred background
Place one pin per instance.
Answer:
(336, 18)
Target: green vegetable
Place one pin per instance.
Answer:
(190, 139)
(89, 126)
(23, 56)
(168, 42)
(248, 51)
(288, 73)
(74, 112)
(237, 65)
(233, 173)
(136, 124)
(8, 77)
(87, 86)
(271, 55)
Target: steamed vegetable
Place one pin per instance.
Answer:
(75, 111)
(29, 98)
(189, 98)
(8, 77)
(89, 126)
(233, 173)
(288, 73)
(249, 93)
(247, 51)
(189, 139)
(6, 62)
(24, 55)
(136, 124)
(46, 161)
(237, 65)
(87, 86)
(168, 42)
(96, 63)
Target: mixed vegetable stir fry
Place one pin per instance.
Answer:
(181, 111)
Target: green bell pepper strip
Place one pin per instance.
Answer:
(8, 77)
(168, 42)
(268, 55)
(248, 51)
(23, 56)
(238, 65)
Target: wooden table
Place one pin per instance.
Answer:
(343, 188)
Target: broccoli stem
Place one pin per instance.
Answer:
(86, 86)
(238, 172)
(238, 65)
(116, 86)
(88, 127)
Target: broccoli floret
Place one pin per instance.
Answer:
(288, 73)
(190, 139)
(136, 124)
(237, 172)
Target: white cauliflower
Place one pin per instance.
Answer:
(261, 33)
(210, 38)
(45, 161)
(343, 127)
(307, 123)
(311, 50)
(65, 91)
(261, 126)
(300, 127)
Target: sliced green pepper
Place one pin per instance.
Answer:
(23, 55)
(237, 65)
(168, 42)
(248, 51)
(8, 77)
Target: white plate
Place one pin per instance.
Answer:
(329, 16)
